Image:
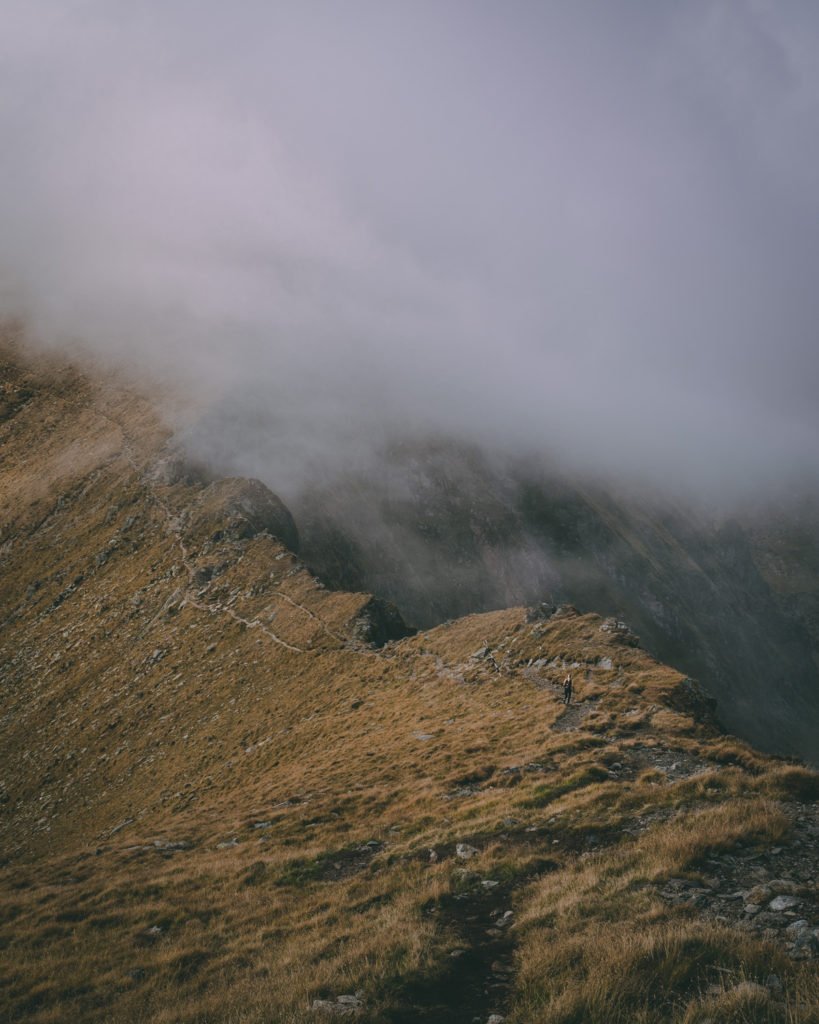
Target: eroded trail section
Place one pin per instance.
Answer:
(477, 980)
(575, 712)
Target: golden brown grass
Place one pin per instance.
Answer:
(599, 945)
(152, 714)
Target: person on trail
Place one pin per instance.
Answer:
(567, 689)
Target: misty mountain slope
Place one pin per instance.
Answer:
(433, 523)
(226, 794)
(442, 530)
(785, 546)
(117, 556)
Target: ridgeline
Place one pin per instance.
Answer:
(229, 793)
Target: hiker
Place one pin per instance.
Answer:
(567, 689)
(487, 653)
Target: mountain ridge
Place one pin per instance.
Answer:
(442, 531)
(230, 793)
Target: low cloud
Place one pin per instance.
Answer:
(585, 229)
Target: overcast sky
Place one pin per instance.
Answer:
(592, 227)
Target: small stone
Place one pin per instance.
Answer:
(783, 903)
(797, 926)
(773, 982)
(806, 945)
(433, 856)
(751, 908)
(489, 883)
(343, 1006)
(783, 886)
(495, 1018)
(465, 851)
(169, 844)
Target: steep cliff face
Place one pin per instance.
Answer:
(442, 531)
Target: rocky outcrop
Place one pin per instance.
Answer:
(248, 508)
(770, 893)
(378, 622)
(691, 698)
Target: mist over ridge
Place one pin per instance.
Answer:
(575, 230)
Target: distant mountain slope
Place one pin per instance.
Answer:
(228, 793)
(442, 531)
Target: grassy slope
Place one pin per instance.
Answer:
(218, 804)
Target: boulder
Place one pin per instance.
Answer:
(250, 508)
(806, 946)
(378, 622)
(540, 612)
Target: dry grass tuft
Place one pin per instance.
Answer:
(790, 782)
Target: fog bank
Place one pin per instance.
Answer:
(588, 229)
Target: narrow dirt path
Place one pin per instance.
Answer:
(312, 615)
(574, 714)
(220, 609)
(477, 981)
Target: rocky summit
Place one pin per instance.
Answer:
(229, 793)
